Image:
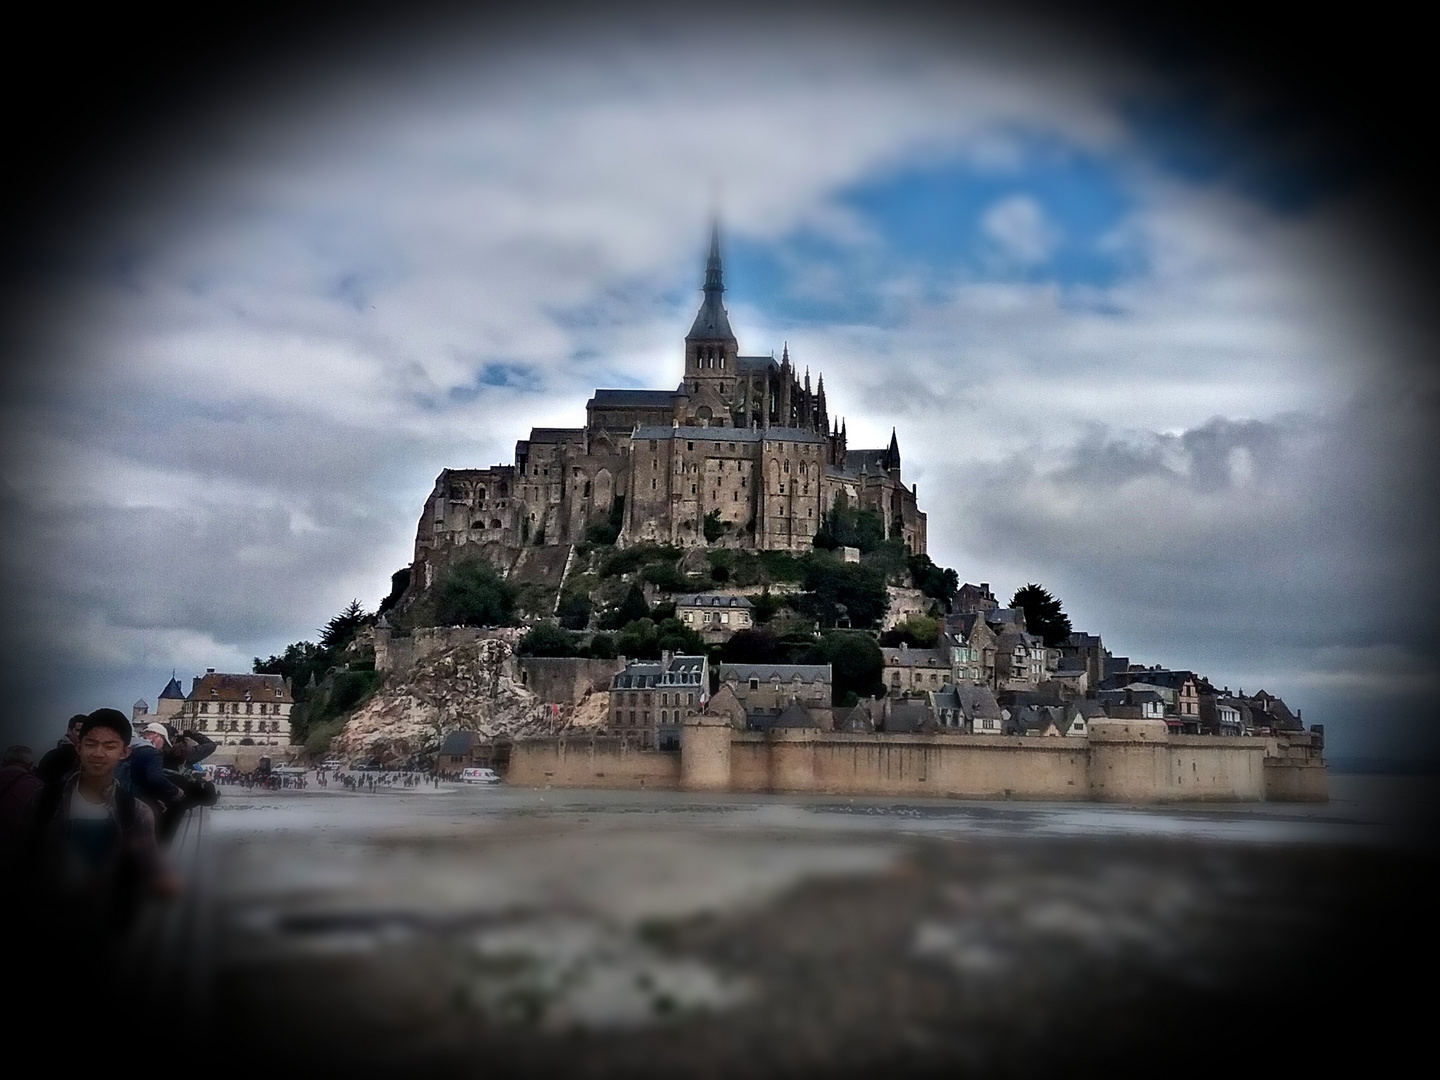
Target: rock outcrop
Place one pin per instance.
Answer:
(472, 686)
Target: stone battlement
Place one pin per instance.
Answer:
(1124, 761)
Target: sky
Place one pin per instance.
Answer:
(1139, 338)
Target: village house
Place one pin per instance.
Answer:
(239, 710)
(972, 648)
(1132, 703)
(1085, 652)
(714, 616)
(915, 671)
(648, 699)
(967, 708)
(970, 599)
(766, 690)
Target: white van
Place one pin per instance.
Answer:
(479, 776)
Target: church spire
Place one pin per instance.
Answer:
(713, 281)
(892, 455)
(711, 323)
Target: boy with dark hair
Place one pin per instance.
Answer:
(91, 846)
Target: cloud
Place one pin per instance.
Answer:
(249, 364)
(1020, 230)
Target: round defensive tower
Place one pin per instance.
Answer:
(705, 753)
(1128, 760)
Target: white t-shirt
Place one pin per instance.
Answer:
(82, 809)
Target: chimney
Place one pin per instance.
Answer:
(209, 671)
(666, 656)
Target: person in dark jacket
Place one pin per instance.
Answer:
(186, 748)
(18, 784)
(147, 781)
(63, 760)
(90, 851)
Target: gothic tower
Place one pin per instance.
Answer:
(710, 348)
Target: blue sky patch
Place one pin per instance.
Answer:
(931, 225)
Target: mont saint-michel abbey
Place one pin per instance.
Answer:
(743, 440)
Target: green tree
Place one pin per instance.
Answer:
(918, 631)
(764, 606)
(341, 630)
(299, 663)
(1043, 614)
(547, 640)
(639, 641)
(602, 647)
(856, 665)
(631, 608)
(714, 527)
(674, 636)
(574, 611)
(666, 576)
(938, 583)
(473, 594)
(847, 526)
(837, 592)
(753, 646)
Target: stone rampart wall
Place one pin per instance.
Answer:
(599, 762)
(1130, 763)
(966, 766)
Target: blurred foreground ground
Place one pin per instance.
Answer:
(489, 931)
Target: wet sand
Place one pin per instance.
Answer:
(492, 931)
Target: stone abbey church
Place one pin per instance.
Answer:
(741, 437)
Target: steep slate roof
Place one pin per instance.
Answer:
(458, 743)
(631, 399)
(172, 690)
(715, 600)
(794, 717)
(637, 676)
(555, 434)
(947, 698)
(855, 720)
(908, 657)
(756, 363)
(907, 717)
(1006, 616)
(977, 702)
(808, 673)
(868, 460)
(214, 686)
(686, 669)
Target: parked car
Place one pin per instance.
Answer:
(479, 776)
(333, 763)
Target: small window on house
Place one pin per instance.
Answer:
(689, 446)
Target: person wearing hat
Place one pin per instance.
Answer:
(147, 781)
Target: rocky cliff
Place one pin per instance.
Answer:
(471, 686)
